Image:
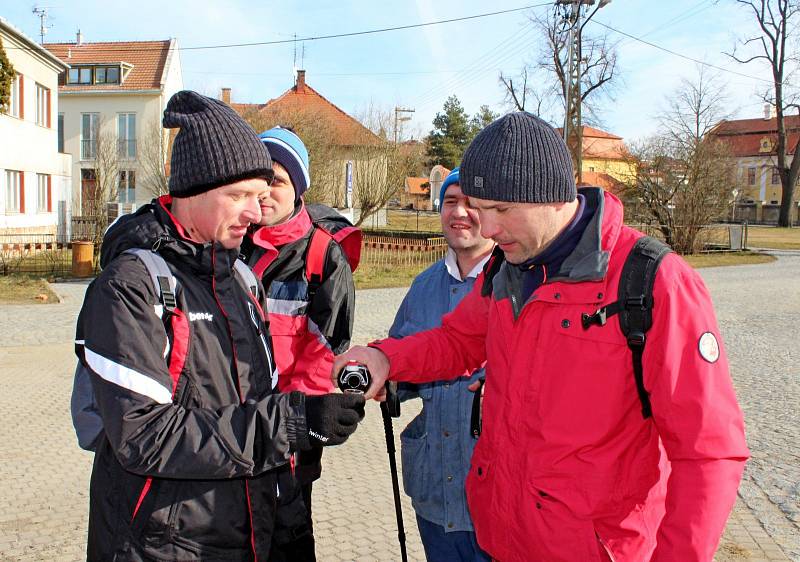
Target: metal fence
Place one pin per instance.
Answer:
(34, 254)
(710, 237)
(383, 251)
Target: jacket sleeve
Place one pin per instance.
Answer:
(456, 348)
(696, 413)
(333, 306)
(124, 346)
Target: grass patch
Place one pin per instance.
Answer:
(23, 289)
(773, 237)
(727, 258)
(384, 276)
(424, 221)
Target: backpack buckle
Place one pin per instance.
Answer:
(635, 302)
(599, 317)
(636, 339)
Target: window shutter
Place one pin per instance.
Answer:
(49, 126)
(21, 97)
(22, 192)
(49, 192)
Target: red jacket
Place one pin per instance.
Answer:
(306, 331)
(566, 467)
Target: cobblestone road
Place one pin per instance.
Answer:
(44, 476)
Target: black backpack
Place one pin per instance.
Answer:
(634, 304)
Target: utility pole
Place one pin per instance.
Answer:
(573, 129)
(41, 13)
(400, 118)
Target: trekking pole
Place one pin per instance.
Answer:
(391, 408)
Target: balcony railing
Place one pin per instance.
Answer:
(88, 149)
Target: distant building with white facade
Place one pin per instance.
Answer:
(35, 175)
(117, 92)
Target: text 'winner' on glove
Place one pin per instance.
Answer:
(331, 418)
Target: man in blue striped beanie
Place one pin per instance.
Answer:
(311, 306)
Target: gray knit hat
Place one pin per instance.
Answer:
(214, 146)
(518, 158)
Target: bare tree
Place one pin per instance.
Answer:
(326, 156)
(530, 93)
(153, 148)
(105, 184)
(685, 176)
(598, 67)
(777, 20)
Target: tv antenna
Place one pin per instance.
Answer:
(41, 13)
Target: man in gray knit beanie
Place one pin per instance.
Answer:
(578, 415)
(517, 173)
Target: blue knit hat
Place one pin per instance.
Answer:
(451, 178)
(288, 150)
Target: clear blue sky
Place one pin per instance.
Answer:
(415, 68)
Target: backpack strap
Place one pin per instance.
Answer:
(165, 283)
(246, 277)
(315, 259)
(490, 270)
(635, 306)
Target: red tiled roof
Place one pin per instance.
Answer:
(302, 98)
(601, 179)
(743, 136)
(416, 186)
(601, 144)
(148, 58)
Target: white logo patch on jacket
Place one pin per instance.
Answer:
(708, 347)
(195, 316)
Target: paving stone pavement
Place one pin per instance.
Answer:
(44, 476)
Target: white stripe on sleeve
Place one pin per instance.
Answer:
(127, 378)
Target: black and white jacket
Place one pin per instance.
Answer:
(195, 431)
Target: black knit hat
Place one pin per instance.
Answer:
(214, 146)
(518, 158)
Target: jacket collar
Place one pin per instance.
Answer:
(285, 232)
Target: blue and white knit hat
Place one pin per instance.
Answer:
(451, 178)
(288, 150)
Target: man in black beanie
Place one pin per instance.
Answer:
(193, 434)
(578, 413)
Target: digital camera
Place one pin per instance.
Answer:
(354, 378)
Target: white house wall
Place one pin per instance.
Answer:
(28, 147)
(147, 108)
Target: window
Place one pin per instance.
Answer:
(61, 132)
(42, 106)
(80, 75)
(44, 203)
(89, 128)
(776, 176)
(127, 186)
(16, 103)
(751, 176)
(127, 135)
(106, 75)
(88, 192)
(15, 192)
(773, 202)
(591, 168)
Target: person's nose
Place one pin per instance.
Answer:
(489, 227)
(252, 212)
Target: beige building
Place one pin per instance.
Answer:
(34, 172)
(111, 103)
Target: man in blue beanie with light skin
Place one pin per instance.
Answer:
(437, 445)
(302, 253)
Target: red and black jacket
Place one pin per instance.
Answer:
(195, 432)
(311, 320)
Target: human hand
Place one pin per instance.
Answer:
(375, 361)
(332, 418)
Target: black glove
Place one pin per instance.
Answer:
(331, 418)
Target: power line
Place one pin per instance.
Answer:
(113, 48)
(680, 55)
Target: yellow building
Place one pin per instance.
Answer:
(606, 160)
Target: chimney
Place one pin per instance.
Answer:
(226, 95)
(767, 111)
(79, 38)
(300, 83)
